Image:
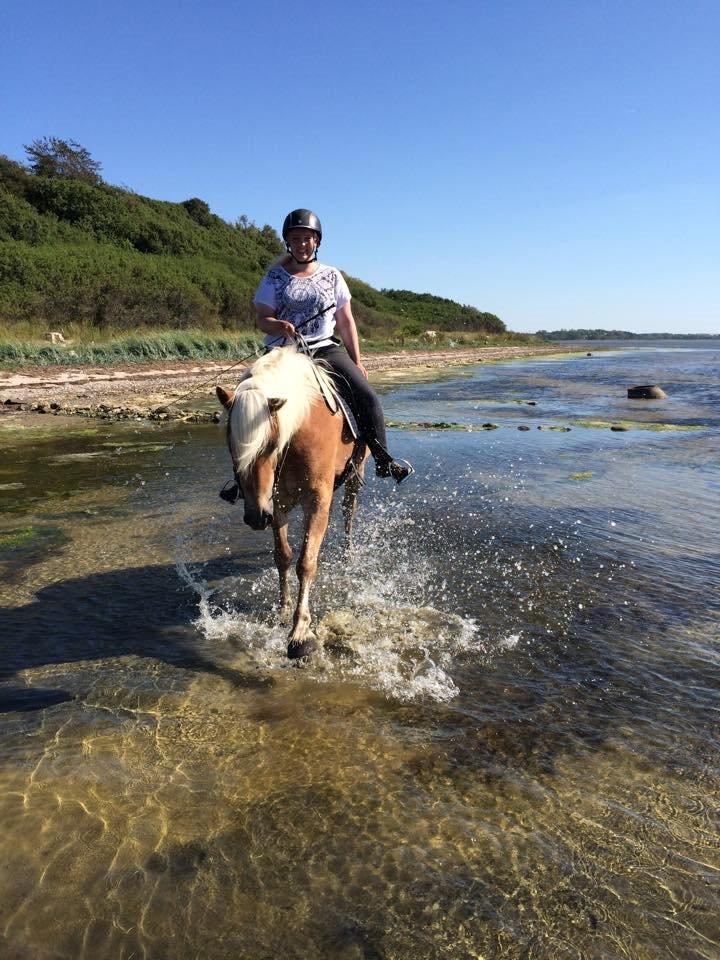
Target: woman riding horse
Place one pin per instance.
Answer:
(299, 295)
(290, 447)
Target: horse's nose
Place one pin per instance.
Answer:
(257, 519)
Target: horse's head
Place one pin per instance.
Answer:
(252, 435)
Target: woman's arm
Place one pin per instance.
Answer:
(345, 323)
(270, 324)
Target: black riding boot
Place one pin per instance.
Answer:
(387, 466)
(363, 401)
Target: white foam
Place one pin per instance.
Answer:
(391, 615)
(365, 636)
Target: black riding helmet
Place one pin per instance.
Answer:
(302, 218)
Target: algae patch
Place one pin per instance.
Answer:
(636, 425)
(582, 475)
(18, 538)
(426, 425)
(23, 546)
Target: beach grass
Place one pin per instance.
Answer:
(23, 345)
(140, 347)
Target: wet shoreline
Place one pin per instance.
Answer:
(185, 391)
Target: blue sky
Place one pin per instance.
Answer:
(556, 163)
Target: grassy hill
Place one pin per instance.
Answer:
(87, 258)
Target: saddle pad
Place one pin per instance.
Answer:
(333, 401)
(349, 417)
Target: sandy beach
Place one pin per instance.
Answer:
(185, 387)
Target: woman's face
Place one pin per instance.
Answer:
(302, 242)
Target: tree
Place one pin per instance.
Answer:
(65, 159)
(410, 329)
(269, 237)
(199, 210)
(13, 176)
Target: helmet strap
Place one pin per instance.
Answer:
(313, 259)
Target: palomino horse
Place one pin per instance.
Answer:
(288, 447)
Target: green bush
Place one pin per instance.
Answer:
(77, 251)
(19, 220)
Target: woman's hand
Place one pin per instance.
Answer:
(285, 329)
(362, 370)
(273, 326)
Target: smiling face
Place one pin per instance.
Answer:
(302, 242)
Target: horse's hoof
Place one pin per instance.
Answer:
(297, 649)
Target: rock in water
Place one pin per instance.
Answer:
(646, 392)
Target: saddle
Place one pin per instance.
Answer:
(336, 403)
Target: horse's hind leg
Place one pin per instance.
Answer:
(349, 506)
(317, 514)
(350, 494)
(283, 560)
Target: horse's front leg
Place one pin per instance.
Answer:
(283, 560)
(317, 514)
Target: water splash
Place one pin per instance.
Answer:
(422, 592)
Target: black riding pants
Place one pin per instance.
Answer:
(360, 397)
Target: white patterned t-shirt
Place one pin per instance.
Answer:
(301, 300)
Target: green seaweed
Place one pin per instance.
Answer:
(18, 538)
(636, 425)
(426, 425)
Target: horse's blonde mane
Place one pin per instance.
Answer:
(284, 374)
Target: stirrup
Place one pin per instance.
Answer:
(399, 470)
(230, 492)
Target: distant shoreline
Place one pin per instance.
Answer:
(599, 336)
(126, 391)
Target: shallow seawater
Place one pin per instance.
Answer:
(507, 747)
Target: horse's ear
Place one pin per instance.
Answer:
(225, 397)
(275, 403)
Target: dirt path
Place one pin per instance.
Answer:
(135, 389)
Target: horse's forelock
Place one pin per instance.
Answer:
(249, 426)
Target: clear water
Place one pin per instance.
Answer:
(507, 748)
